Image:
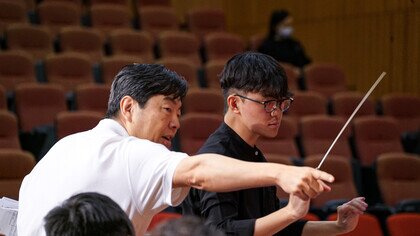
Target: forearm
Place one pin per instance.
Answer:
(274, 222)
(322, 228)
(216, 173)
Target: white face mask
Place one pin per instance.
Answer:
(285, 31)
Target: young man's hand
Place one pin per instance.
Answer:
(349, 212)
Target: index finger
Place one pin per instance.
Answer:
(322, 175)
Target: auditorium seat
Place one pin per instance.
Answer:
(58, 14)
(374, 136)
(183, 67)
(16, 67)
(195, 129)
(179, 44)
(204, 20)
(83, 40)
(318, 133)
(222, 45)
(70, 122)
(157, 19)
(404, 108)
(9, 133)
(136, 44)
(11, 12)
(110, 66)
(153, 2)
(398, 177)
(404, 224)
(325, 78)
(38, 104)
(162, 217)
(92, 97)
(212, 70)
(307, 103)
(368, 225)
(292, 74)
(116, 2)
(14, 166)
(69, 69)
(39, 45)
(108, 17)
(208, 101)
(30, 5)
(255, 41)
(344, 103)
(3, 98)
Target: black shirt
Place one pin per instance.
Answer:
(285, 50)
(235, 212)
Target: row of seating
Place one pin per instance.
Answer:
(72, 69)
(30, 5)
(139, 44)
(111, 15)
(95, 96)
(402, 224)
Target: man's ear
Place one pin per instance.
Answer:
(232, 103)
(126, 107)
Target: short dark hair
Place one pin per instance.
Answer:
(88, 214)
(277, 16)
(254, 72)
(185, 226)
(141, 82)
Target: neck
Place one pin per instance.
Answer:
(121, 121)
(234, 122)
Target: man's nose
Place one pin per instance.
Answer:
(276, 112)
(175, 124)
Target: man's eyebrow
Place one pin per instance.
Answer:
(171, 99)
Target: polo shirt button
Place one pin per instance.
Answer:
(256, 153)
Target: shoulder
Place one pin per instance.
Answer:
(217, 143)
(136, 148)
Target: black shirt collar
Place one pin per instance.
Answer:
(243, 148)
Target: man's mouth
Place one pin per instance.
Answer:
(274, 124)
(167, 140)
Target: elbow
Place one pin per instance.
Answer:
(199, 180)
(195, 176)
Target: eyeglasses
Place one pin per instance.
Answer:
(271, 105)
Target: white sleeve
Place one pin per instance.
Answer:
(151, 168)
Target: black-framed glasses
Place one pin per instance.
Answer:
(271, 105)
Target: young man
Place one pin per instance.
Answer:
(126, 158)
(256, 94)
(87, 214)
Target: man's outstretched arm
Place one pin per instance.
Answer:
(217, 173)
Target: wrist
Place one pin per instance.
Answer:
(277, 174)
(291, 214)
(340, 227)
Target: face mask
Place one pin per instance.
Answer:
(285, 32)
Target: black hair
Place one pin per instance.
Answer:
(254, 72)
(276, 17)
(88, 214)
(141, 82)
(185, 226)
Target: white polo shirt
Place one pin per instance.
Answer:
(135, 173)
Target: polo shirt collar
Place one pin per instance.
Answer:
(113, 125)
